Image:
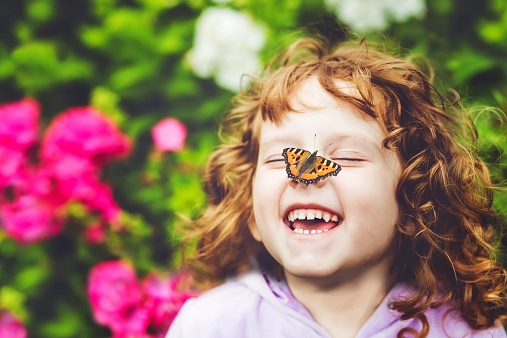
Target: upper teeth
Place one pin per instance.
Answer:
(310, 215)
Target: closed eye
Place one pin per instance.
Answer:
(274, 158)
(351, 159)
(348, 161)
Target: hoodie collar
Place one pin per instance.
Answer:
(278, 293)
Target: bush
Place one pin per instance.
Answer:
(110, 110)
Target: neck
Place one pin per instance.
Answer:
(343, 306)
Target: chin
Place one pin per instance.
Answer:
(310, 272)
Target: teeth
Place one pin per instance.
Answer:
(308, 232)
(292, 216)
(310, 215)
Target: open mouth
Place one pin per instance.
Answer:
(312, 221)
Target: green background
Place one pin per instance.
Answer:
(129, 58)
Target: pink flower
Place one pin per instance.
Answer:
(169, 135)
(18, 133)
(19, 124)
(13, 165)
(84, 132)
(76, 178)
(95, 233)
(116, 298)
(29, 219)
(29, 208)
(97, 196)
(10, 326)
(164, 298)
(67, 178)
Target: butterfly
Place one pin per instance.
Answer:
(307, 167)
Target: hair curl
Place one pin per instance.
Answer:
(444, 240)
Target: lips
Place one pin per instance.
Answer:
(311, 221)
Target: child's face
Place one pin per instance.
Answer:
(362, 195)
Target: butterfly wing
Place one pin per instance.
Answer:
(326, 168)
(294, 157)
(322, 168)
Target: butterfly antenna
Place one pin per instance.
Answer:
(325, 146)
(314, 138)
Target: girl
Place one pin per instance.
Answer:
(397, 243)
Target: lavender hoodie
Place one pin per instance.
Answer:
(257, 305)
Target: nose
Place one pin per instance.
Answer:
(294, 184)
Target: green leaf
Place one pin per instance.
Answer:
(493, 32)
(159, 5)
(7, 68)
(466, 63)
(182, 84)
(13, 300)
(66, 324)
(40, 10)
(443, 7)
(138, 125)
(131, 24)
(176, 38)
(31, 277)
(107, 101)
(39, 66)
(132, 75)
(103, 7)
(94, 37)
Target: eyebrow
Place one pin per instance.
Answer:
(361, 139)
(287, 138)
(279, 138)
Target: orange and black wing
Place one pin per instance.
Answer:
(321, 169)
(326, 168)
(294, 157)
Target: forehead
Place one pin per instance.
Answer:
(316, 112)
(310, 92)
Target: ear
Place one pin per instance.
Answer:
(252, 226)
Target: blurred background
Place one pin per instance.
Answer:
(109, 110)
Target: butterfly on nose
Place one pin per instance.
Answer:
(308, 168)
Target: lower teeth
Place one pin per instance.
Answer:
(307, 232)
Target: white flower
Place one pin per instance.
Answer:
(365, 15)
(226, 45)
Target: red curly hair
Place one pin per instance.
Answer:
(444, 241)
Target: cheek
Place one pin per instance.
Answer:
(267, 188)
(369, 194)
(263, 202)
(257, 207)
(259, 194)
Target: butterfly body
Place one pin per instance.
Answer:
(308, 168)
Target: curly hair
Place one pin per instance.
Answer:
(444, 240)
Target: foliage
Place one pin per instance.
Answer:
(138, 62)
